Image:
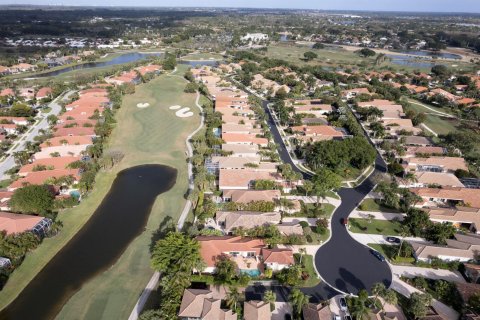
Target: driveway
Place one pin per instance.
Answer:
(42, 124)
(436, 274)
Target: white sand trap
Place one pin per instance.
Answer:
(184, 113)
(143, 105)
(174, 107)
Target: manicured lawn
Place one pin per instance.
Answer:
(374, 206)
(384, 227)
(203, 56)
(140, 134)
(390, 252)
(333, 195)
(307, 263)
(46, 110)
(439, 124)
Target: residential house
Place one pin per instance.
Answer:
(13, 223)
(414, 151)
(229, 221)
(41, 177)
(256, 310)
(317, 133)
(277, 259)
(458, 216)
(448, 196)
(418, 141)
(462, 248)
(48, 164)
(238, 138)
(45, 92)
(247, 196)
(244, 179)
(352, 93)
(241, 150)
(435, 164)
(5, 197)
(199, 304)
(312, 311)
(429, 178)
(19, 121)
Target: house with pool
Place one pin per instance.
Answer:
(251, 255)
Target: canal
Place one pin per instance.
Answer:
(119, 219)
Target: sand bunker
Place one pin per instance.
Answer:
(143, 105)
(174, 107)
(184, 113)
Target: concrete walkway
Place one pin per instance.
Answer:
(436, 274)
(377, 215)
(406, 290)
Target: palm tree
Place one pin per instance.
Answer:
(270, 297)
(359, 310)
(390, 297)
(378, 289)
(298, 299)
(302, 251)
(404, 232)
(233, 297)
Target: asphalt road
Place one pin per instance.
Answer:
(19, 145)
(344, 264)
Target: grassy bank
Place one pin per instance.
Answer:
(140, 134)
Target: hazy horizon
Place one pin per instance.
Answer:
(445, 6)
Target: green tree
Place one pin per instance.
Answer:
(270, 297)
(365, 52)
(378, 289)
(417, 221)
(390, 297)
(418, 304)
(309, 55)
(440, 232)
(233, 296)
(32, 199)
(298, 300)
(225, 269)
(323, 181)
(21, 110)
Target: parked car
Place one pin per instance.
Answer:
(344, 221)
(393, 240)
(378, 255)
(343, 304)
(347, 317)
(336, 317)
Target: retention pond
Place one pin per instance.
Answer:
(120, 218)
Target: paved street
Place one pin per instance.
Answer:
(19, 145)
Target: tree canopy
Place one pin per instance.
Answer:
(32, 199)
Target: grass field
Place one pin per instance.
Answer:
(385, 227)
(372, 205)
(141, 135)
(307, 264)
(390, 252)
(435, 121)
(203, 56)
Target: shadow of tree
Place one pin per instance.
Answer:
(165, 227)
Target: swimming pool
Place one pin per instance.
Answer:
(251, 272)
(75, 194)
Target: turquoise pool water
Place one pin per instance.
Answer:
(251, 272)
(75, 194)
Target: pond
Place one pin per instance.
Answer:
(413, 62)
(432, 54)
(124, 58)
(194, 63)
(119, 219)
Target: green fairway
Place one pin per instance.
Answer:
(385, 227)
(151, 135)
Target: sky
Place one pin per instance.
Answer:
(469, 6)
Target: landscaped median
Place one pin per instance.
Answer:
(374, 226)
(140, 134)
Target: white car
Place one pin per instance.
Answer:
(343, 304)
(336, 317)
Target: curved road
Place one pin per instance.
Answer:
(345, 265)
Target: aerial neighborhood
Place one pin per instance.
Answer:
(247, 164)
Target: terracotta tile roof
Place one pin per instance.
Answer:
(7, 92)
(213, 246)
(376, 103)
(74, 131)
(55, 163)
(17, 223)
(246, 196)
(241, 148)
(465, 101)
(438, 178)
(66, 140)
(256, 310)
(143, 70)
(425, 150)
(243, 138)
(448, 163)
(44, 92)
(40, 177)
(231, 179)
(318, 131)
(235, 162)
(280, 256)
(469, 196)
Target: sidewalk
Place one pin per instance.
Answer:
(366, 238)
(437, 274)
(377, 215)
(406, 290)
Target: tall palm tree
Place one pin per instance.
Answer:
(270, 297)
(390, 297)
(359, 310)
(302, 252)
(404, 232)
(378, 289)
(298, 299)
(233, 297)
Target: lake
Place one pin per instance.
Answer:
(119, 219)
(121, 59)
(424, 53)
(194, 63)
